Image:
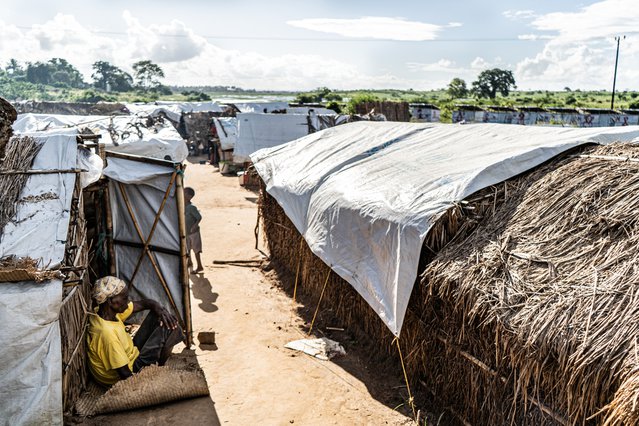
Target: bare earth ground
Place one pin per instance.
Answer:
(253, 379)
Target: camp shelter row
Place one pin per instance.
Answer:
(551, 116)
(85, 210)
(529, 320)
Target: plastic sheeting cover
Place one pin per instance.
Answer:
(257, 131)
(173, 110)
(31, 367)
(41, 225)
(226, 128)
(364, 195)
(261, 107)
(157, 142)
(145, 186)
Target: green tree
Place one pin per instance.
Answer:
(109, 77)
(333, 97)
(55, 72)
(489, 82)
(457, 88)
(14, 69)
(306, 98)
(147, 74)
(334, 106)
(359, 99)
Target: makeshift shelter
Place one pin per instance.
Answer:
(43, 252)
(424, 113)
(564, 116)
(468, 114)
(173, 110)
(599, 117)
(499, 114)
(68, 227)
(257, 131)
(142, 136)
(530, 115)
(336, 209)
(226, 128)
(628, 117)
(259, 107)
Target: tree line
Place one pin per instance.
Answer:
(58, 72)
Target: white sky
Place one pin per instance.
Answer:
(294, 45)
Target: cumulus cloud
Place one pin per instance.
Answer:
(518, 15)
(373, 27)
(63, 37)
(480, 64)
(443, 65)
(187, 59)
(581, 51)
(163, 43)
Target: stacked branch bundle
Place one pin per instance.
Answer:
(18, 157)
(8, 115)
(527, 309)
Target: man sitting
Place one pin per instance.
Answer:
(113, 355)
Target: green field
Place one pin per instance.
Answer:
(13, 90)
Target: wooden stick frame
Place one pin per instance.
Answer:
(177, 180)
(146, 251)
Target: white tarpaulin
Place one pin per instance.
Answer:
(145, 186)
(173, 110)
(261, 107)
(364, 195)
(257, 131)
(126, 134)
(226, 128)
(31, 367)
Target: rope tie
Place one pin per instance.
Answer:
(411, 401)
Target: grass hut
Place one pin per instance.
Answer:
(62, 224)
(468, 114)
(524, 306)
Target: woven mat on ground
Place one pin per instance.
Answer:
(152, 386)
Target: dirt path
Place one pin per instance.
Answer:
(253, 379)
(252, 376)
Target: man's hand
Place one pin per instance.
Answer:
(166, 318)
(124, 372)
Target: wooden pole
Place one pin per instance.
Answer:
(184, 275)
(109, 229)
(140, 159)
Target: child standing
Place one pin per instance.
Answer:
(193, 238)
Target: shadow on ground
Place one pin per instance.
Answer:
(381, 374)
(203, 291)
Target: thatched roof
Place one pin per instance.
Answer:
(546, 289)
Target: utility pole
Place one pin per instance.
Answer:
(614, 80)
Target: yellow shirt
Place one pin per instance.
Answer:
(110, 347)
